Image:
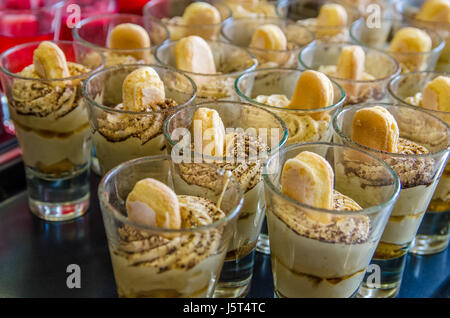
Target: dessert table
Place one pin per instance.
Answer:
(35, 255)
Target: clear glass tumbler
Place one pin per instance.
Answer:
(168, 263)
(245, 160)
(95, 30)
(170, 13)
(408, 10)
(419, 171)
(433, 234)
(380, 37)
(231, 62)
(52, 128)
(120, 135)
(240, 31)
(313, 258)
(379, 69)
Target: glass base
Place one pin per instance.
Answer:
(263, 245)
(429, 244)
(384, 291)
(233, 289)
(59, 211)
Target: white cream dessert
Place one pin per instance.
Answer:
(376, 128)
(119, 137)
(148, 264)
(331, 24)
(316, 254)
(194, 55)
(50, 118)
(248, 172)
(199, 18)
(313, 90)
(351, 67)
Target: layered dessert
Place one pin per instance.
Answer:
(199, 18)
(376, 128)
(313, 90)
(50, 117)
(214, 79)
(237, 152)
(330, 25)
(358, 83)
(133, 128)
(315, 253)
(435, 96)
(158, 263)
(252, 8)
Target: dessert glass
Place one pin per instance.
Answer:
(247, 167)
(157, 262)
(380, 38)
(311, 259)
(231, 61)
(305, 12)
(419, 175)
(240, 31)
(302, 124)
(324, 57)
(116, 144)
(169, 12)
(433, 234)
(52, 128)
(407, 9)
(94, 31)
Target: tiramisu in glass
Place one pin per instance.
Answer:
(236, 137)
(42, 82)
(429, 90)
(325, 218)
(165, 241)
(415, 144)
(127, 107)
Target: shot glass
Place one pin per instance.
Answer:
(379, 69)
(170, 13)
(252, 9)
(95, 30)
(157, 262)
(311, 258)
(380, 37)
(231, 61)
(244, 120)
(240, 31)
(305, 13)
(76, 10)
(419, 174)
(120, 135)
(52, 128)
(433, 234)
(408, 9)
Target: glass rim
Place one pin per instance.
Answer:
(196, 106)
(339, 103)
(397, 68)
(402, 76)
(438, 48)
(48, 80)
(146, 7)
(391, 154)
(434, 24)
(55, 5)
(91, 101)
(77, 37)
(103, 198)
(236, 73)
(289, 22)
(365, 211)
